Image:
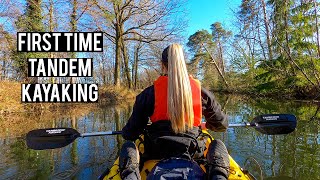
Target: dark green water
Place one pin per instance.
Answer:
(295, 156)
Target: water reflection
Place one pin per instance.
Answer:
(295, 156)
(86, 158)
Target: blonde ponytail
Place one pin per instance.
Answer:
(180, 107)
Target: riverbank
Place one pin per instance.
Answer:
(314, 97)
(10, 100)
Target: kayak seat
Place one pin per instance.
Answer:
(176, 168)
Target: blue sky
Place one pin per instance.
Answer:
(203, 13)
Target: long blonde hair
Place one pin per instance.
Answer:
(180, 107)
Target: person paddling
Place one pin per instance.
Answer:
(175, 105)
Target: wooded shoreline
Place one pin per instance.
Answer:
(271, 95)
(271, 49)
(10, 99)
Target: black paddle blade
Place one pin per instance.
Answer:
(275, 123)
(51, 138)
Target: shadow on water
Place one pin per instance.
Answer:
(292, 156)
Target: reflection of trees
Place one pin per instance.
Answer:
(74, 153)
(85, 158)
(25, 158)
(118, 125)
(296, 155)
(301, 157)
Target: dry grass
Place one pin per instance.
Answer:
(10, 99)
(111, 94)
(17, 125)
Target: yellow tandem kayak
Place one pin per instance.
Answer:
(270, 124)
(236, 172)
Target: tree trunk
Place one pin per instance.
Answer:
(317, 27)
(51, 28)
(261, 44)
(4, 69)
(135, 65)
(286, 29)
(117, 58)
(221, 57)
(73, 23)
(266, 25)
(217, 67)
(126, 63)
(118, 28)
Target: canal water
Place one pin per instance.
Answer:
(291, 156)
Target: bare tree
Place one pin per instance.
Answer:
(146, 21)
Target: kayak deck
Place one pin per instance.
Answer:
(235, 173)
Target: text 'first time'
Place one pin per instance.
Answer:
(60, 42)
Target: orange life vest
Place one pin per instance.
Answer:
(161, 98)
